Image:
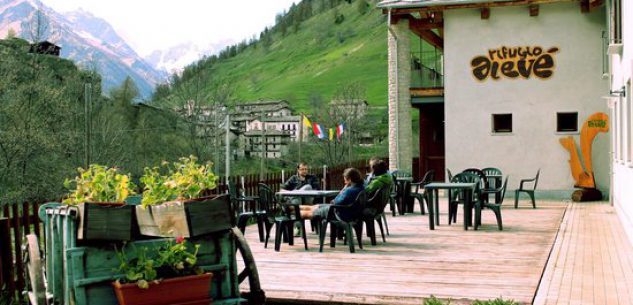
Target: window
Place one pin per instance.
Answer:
(502, 123)
(629, 122)
(616, 21)
(616, 130)
(567, 121)
(622, 128)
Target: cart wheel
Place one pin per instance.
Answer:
(34, 271)
(256, 296)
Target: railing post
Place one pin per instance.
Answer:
(17, 234)
(6, 257)
(325, 179)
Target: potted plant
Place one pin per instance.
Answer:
(172, 204)
(166, 275)
(100, 193)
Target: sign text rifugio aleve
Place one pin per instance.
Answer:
(514, 62)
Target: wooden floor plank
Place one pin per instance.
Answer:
(593, 265)
(587, 255)
(416, 263)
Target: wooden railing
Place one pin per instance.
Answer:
(18, 220)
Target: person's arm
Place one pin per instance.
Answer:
(291, 184)
(344, 197)
(372, 186)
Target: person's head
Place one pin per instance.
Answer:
(379, 168)
(352, 175)
(302, 169)
(373, 161)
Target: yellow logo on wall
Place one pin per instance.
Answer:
(583, 171)
(514, 62)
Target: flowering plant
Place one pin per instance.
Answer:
(99, 183)
(185, 179)
(169, 260)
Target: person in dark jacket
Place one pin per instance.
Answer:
(300, 180)
(353, 186)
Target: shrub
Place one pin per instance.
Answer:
(435, 301)
(497, 301)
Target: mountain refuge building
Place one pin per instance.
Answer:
(508, 80)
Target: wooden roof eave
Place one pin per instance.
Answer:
(434, 8)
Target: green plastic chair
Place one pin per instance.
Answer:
(495, 207)
(336, 223)
(526, 189)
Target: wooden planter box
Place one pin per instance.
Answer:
(106, 221)
(187, 219)
(186, 290)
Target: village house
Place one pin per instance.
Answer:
(275, 143)
(46, 48)
(275, 117)
(517, 77)
(262, 107)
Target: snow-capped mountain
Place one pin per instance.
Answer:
(88, 40)
(174, 59)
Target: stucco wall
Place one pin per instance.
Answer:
(576, 85)
(622, 70)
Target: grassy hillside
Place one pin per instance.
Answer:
(316, 59)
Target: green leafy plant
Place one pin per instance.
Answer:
(99, 183)
(172, 259)
(435, 301)
(184, 179)
(497, 301)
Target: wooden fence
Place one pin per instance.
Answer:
(18, 220)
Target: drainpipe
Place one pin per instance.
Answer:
(395, 37)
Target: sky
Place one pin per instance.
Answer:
(149, 25)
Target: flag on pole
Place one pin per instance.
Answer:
(339, 130)
(331, 131)
(318, 130)
(306, 122)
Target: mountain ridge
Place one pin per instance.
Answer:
(86, 39)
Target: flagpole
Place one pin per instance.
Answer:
(300, 135)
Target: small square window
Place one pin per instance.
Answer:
(502, 123)
(567, 121)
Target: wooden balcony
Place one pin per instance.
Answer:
(426, 92)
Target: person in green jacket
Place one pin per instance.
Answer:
(380, 178)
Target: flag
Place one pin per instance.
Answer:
(318, 130)
(306, 122)
(331, 133)
(339, 130)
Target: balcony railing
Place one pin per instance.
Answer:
(427, 69)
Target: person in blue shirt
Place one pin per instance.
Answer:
(353, 186)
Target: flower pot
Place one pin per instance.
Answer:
(106, 221)
(186, 218)
(186, 290)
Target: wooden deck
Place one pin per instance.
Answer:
(415, 263)
(592, 260)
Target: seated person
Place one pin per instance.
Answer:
(381, 180)
(380, 177)
(302, 180)
(370, 175)
(353, 187)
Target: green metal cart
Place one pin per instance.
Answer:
(74, 272)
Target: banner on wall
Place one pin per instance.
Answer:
(515, 62)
